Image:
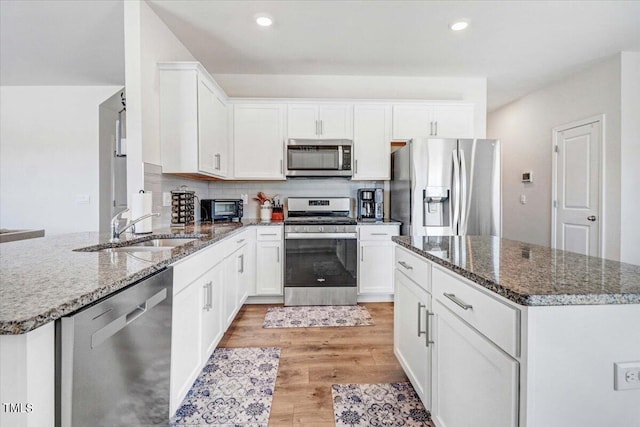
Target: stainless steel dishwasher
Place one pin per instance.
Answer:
(113, 358)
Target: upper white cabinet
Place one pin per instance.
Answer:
(258, 141)
(371, 140)
(193, 121)
(433, 120)
(323, 121)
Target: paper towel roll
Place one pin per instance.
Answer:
(141, 205)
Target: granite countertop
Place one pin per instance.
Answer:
(44, 279)
(529, 274)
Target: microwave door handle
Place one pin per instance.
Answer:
(340, 158)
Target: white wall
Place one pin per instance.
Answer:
(147, 41)
(524, 127)
(49, 155)
(630, 159)
(471, 89)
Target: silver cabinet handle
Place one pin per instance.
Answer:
(208, 300)
(317, 128)
(420, 307)
(362, 253)
(431, 128)
(217, 157)
(436, 126)
(427, 338)
(239, 241)
(268, 234)
(379, 234)
(278, 255)
(405, 265)
(241, 259)
(591, 218)
(356, 167)
(458, 301)
(281, 166)
(321, 127)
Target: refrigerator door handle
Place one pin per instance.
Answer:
(455, 197)
(463, 195)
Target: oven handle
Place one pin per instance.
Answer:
(298, 236)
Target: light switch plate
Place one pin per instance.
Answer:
(245, 198)
(626, 375)
(83, 199)
(166, 198)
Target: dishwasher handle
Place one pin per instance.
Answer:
(106, 332)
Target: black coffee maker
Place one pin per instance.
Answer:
(370, 204)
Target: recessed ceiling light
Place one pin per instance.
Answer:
(459, 26)
(264, 20)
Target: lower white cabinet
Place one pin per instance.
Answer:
(413, 341)
(269, 260)
(474, 382)
(211, 320)
(375, 249)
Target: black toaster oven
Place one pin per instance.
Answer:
(221, 210)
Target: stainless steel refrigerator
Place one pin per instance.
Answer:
(444, 187)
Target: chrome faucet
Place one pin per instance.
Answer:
(115, 222)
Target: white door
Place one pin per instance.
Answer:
(269, 268)
(302, 121)
(375, 274)
(207, 128)
(336, 121)
(211, 293)
(577, 211)
(258, 135)
(372, 142)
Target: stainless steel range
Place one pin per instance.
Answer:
(320, 252)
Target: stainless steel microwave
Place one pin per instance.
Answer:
(319, 158)
(221, 210)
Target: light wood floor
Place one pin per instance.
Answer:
(314, 358)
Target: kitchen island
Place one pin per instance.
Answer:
(517, 334)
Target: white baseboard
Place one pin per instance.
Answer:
(375, 298)
(260, 299)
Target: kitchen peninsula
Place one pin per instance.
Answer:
(515, 333)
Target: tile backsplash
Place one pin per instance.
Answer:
(157, 182)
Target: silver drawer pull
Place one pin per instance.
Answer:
(240, 241)
(405, 265)
(379, 234)
(420, 307)
(268, 234)
(458, 301)
(427, 338)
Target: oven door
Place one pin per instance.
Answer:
(320, 260)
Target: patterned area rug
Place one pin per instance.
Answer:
(388, 404)
(317, 316)
(235, 388)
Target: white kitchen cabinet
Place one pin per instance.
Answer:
(212, 328)
(432, 120)
(471, 372)
(258, 141)
(375, 249)
(193, 121)
(320, 121)
(372, 142)
(412, 342)
(269, 260)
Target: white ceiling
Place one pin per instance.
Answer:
(518, 46)
(56, 42)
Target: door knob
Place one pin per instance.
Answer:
(591, 218)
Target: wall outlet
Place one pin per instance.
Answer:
(166, 198)
(245, 198)
(626, 375)
(83, 199)
(523, 199)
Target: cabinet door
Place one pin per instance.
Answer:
(211, 303)
(185, 342)
(258, 139)
(372, 142)
(220, 123)
(269, 268)
(411, 121)
(375, 269)
(207, 127)
(454, 121)
(230, 297)
(336, 121)
(302, 121)
(470, 372)
(243, 267)
(412, 306)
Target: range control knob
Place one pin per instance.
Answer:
(321, 228)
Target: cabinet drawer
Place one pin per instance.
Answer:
(416, 268)
(233, 243)
(494, 319)
(190, 268)
(377, 232)
(269, 233)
